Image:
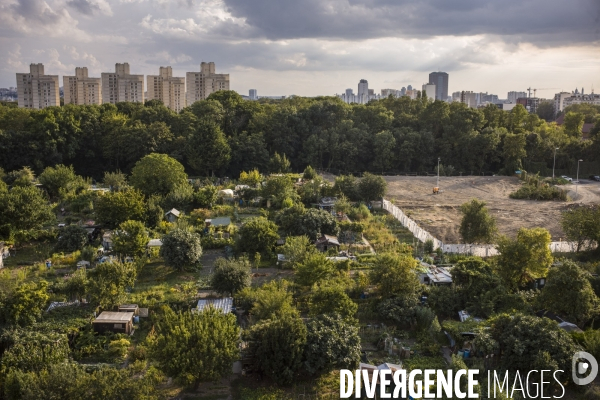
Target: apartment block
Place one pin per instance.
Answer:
(469, 98)
(80, 89)
(36, 90)
(121, 86)
(167, 88)
(199, 85)
(430, 90)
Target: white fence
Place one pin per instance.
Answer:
(476, 250)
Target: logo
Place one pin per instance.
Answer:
(584, 367)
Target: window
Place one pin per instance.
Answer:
(118, 326)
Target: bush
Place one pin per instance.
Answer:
(535, 189)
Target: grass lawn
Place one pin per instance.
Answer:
(29, 254)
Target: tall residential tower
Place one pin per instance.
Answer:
(122, 86)
(200, 85)
(167, 88)
(36, 90)
(81, 89)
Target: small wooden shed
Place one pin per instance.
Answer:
(116, 322)
(327, 242)
(129, 308)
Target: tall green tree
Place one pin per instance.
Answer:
(528, 256)
(279, 164)
(331, 343)
(130, 239)
(71, 238)
(114, 208)
(384, 145)
(395, 275)
(231, 276)
(108, 282)
(60, 178)
(23, 210)
(157, 174)
(181, 248)
(25, 304)
(372, 187)
(207, 149)
(477, 225)
(315, 268)
(277, 347)
(568, 293)
(257, 235)
(212, 335)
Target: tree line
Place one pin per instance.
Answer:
(225, 135)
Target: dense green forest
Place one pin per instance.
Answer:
(226, 134)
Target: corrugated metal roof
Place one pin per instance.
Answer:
(155, 243)
(223, 304)
(220, 221)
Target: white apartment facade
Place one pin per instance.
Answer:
(80, 89)
(121, 86)
(167, 88)
(564, 99)
(429, 90)
(199, 85)
(36, 90)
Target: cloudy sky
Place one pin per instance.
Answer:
(314, 47)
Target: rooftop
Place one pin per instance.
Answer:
(112, 317)
(223, 304)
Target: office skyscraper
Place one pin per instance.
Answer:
(440, 80)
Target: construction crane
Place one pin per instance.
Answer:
(535, 90)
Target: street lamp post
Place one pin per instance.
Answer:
(554, 163)
(577, 185)
(438, 177)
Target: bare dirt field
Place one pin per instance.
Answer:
(440, 214)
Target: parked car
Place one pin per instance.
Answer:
(595, 178)
(567, 178)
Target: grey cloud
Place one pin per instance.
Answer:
(84, 6)
(35, 10)
(530, 20)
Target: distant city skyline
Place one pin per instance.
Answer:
(311, 48)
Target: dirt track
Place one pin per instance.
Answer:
(440, 214)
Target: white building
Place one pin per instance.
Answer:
(200, 85)
(429, 90)
(469, 98)
(121, 86)
(513, 96)
(81, 89)
(564, 99)
(36, 90)
(167, 88)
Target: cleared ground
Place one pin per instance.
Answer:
(440, 214)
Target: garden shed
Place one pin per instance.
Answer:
(116, 322)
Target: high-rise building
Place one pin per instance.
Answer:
(201, 84)
(440, 80)
(403, 91)
(385, 93)
(80, 89)
(469, 98)
(253, 94)
(530, 103)
(167, 88)
(122, 86)
(513, 96)
(430, 90)
(36, 90)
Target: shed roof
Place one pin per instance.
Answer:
(113, 317)
(173, 211)
(439, 275)
(328, 239)
(223, 304)
(155, 243)
(220, 221)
